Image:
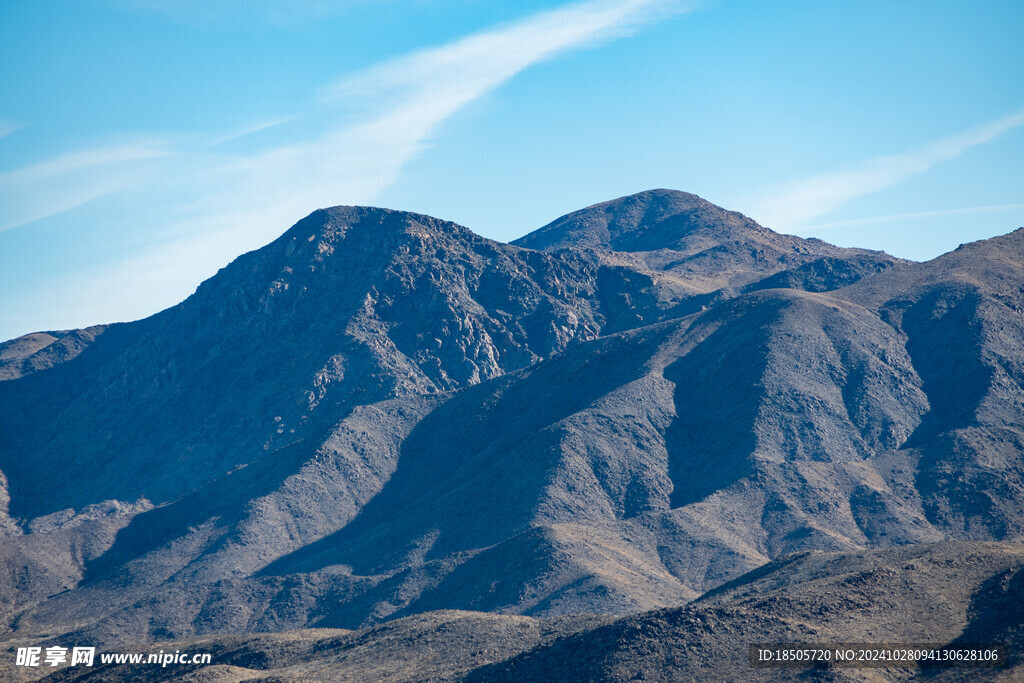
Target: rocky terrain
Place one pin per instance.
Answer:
(381, 415)
(944, 593)
(42, 350)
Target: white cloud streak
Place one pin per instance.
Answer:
(455, 74)
(919, 215)
(246, 131)
(63, 183)
(792, 205)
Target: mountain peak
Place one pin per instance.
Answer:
(338, 240)
(338, 222)
(646, 221)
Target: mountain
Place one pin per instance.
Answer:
(381, 414)
(349, 307)
(691, 253)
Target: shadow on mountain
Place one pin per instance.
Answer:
(716, 398)
(222, 500)
(471, 472)
(944, 342)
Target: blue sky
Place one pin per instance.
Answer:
(146, 143)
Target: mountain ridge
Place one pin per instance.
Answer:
(382, 414)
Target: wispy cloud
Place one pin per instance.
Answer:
(194, 195)
(8, 127)
(411, 96)
(457, 73)
(919, 215)
(792, 205)
(245, 131)
(56, 185)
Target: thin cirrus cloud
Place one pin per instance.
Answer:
(437, 82)
(202, 204)
(248, 130)
(8, 127)
(918, 215)
(793, 205)
(70, 180)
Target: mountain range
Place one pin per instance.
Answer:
(381, 416)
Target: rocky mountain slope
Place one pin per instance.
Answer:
(946, 593)
(381, 414)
